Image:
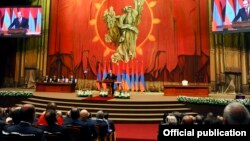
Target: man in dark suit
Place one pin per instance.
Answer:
(244, 13)
(19, 22)
(112, 77)
(25, 125)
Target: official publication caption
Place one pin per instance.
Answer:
(204, 133)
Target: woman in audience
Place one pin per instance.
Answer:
(50, 106)
(52, 127)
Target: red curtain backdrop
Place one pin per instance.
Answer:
(173, 39)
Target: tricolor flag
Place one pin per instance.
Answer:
(99, 77)
(119, 79)
(142, 81)
(6, 20)
(136, 77)
(32, 27)
(104, 75)
(123, 76)
(39, 21)
(127, 77)
(230, 12)
(217, 15)
(13, 16)
(132, 82)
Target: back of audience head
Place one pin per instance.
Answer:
(187, 120)
(99, 114)
(75, 113)
(28, 113)
(16, 115)
(51, 105)
(50, 117)
(199, 119)
(164, 118)
(84, 114)
(172, 120)
(106, 115)
(236, 113)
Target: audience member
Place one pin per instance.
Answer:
(101, 124)
(51, 119)
(14, 116)
(73, 119)
(50, 106)
(164, 118)
(25, 125)
(111, 123)
(187, 120)
(88, 122)
(199, 119)
(172, 120)
(236, 113)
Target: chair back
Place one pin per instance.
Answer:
(18, 137)
(57, 136)
(101, 135)
(75, 132)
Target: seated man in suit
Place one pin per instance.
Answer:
(25, 125)
(112, 77)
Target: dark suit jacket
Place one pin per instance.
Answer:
(103, 127)
(111, 77)
(17, 24)
(26, 128)
(241, 14)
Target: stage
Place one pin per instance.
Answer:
(134, 96)
(142, 107)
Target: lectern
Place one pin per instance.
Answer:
(109, 83)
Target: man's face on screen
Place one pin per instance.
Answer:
(245, 4)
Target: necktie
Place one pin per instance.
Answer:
(247, 11)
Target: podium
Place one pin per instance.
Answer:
(108, 83)
(19, 31)
(243, 24)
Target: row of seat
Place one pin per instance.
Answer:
(74, 131)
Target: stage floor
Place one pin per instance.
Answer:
(134, 96)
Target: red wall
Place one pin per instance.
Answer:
(172, 44)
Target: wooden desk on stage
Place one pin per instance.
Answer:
(55, 87)
(179, 90)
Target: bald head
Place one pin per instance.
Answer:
(84, 114)
(236, 113)
(188, 120)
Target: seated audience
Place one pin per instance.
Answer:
(25, 125)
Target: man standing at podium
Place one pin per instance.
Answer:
(244, 13)
(20, 22)
(111, 77)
